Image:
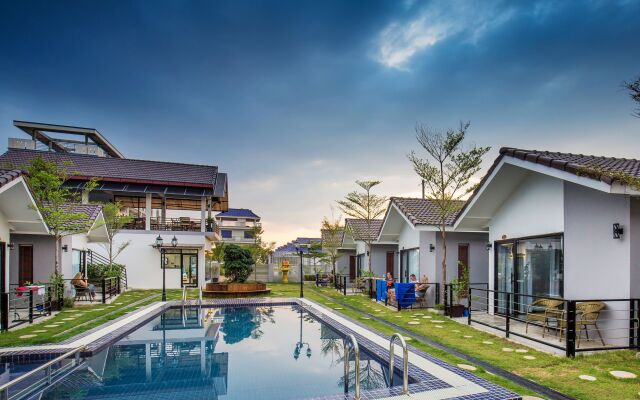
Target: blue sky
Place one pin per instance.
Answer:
(297, 99)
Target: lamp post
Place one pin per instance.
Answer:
(158, 246)
(300, 345)
(301, 272)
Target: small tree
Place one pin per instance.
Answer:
(446, 174)
(366, 206)
(237, 263)
(56, 203)
(315, 252)
(634, 92)
(114, 221)
(332, 231)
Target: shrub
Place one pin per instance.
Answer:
(68, 302)
(97, 271)
(237, 263)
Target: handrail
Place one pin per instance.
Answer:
(200, 296)
(405, 361)
(184, 294)
(4, 389)
(351, 340)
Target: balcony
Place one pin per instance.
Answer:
(238, 224)
(182, 224)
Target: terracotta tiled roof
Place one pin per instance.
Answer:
(120, 169)
(576, 164)
(8, 175)
(423, 211)
(360, 230)
(91, 210)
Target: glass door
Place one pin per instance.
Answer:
(409, 264)
(189, 269)
(504, 275)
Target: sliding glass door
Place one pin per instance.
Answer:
(529, 267)
(409, 264)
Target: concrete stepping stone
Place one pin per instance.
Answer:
(365, 318)
(437, 321)
(467, 367)
(337, 308)
(587, 378)
(27, 336)
(531, 398)
(398, 316)
(529, 357)
(455, 331)
(623, 375)
(522, 351)
(68, 319)
(427, 317)
(507, 349)
(487, 342)
(467, 336)
(439, 326)
(51, 326)
(413, 323)
(40, 331)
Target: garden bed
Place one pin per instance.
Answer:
(226, 290)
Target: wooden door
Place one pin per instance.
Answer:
(26, 264)
(390, 258)
(463, 261)
(352, 267)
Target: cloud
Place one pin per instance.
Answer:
(400, 41)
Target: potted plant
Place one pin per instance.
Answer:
(459, 286)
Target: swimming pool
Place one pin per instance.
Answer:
(268, 352)
(244, 348)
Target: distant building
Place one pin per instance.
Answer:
(236, 225)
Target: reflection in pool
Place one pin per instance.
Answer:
(226, 353)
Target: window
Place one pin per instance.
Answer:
(78, 258)
(409, 264)
(248, 235)
(225, 233)
(360, 264)
(187, 261)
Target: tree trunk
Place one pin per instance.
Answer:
(56, 262)
(444, 264)
(368, 250)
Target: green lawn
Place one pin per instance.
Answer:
(557, 372)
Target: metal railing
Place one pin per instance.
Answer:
(183, 224)
(405, 362)
(350, 343)
(568, 325)
(449, 295)
(41, 377)
(20, 306)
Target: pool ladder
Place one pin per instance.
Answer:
(350, 342)
(405, 361)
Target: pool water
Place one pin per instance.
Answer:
(271, 352)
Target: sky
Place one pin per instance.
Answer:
(295, 100)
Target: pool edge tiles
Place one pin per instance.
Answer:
(466, 386)
(448, 381)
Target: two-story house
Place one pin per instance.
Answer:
(237, 225)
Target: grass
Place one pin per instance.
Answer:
(557, 372)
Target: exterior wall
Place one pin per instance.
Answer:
(43, 256)
(5, 237)
(634, 242)
(378, 254)
(428, 261)
(535, 207)
(595, 264)
(478, 261)
(143, 261)
(342, 264)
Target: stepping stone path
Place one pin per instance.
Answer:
(427, 317)
(529, 357)
(337, 308)
(467, 367)
(51, 326)
(587, 378)
(467, 336)
(413, 322)
(623, 375)
(439, 326)
(487, 342)
(40, 331)
(507, 349)
(68, 319)
(418, 314)
(398, 316)
(27, 336)
(522, 351)
(365, 318)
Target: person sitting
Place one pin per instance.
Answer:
(390, 281)
(79, 282)
(421, 288)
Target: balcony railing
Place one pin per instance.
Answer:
(184, 224)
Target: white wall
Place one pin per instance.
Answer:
(478, 260)
(143, 261)
(535, 207)
(43, 255)
(4, 237)
(634, 242)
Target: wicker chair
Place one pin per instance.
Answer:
(587, 314)
(541, 311)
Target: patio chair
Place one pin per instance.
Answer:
(421, 298)
(541, 311)
(587, 315)
(82, 292)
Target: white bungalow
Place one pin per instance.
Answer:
(382, 253)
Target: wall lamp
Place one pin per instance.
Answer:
(489, 246)
(65, 248)
(617, 231)
(431, 247)
(11, 246)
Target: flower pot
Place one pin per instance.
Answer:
(457, 311)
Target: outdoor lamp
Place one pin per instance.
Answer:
(489, 246)
(431, 247)
(11, 246)
(308, 352)
(617, 231)
(158, 242)
(174, 241)
(299, 248)
(65, 248)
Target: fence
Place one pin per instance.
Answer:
(25, 304)
(97, 289)
(568, 325)
(449, 295)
